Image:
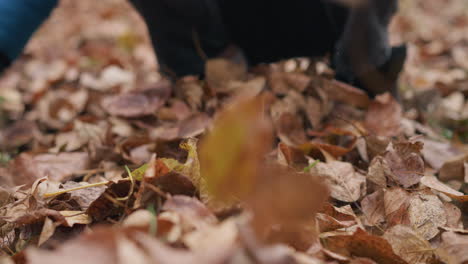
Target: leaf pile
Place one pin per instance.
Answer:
(105, 161)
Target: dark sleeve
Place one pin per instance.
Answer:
(19, 19)
(4, 62)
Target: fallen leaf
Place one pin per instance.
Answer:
(76, 217)
(192, 211)
(61, 166)
(409, 245)
(221, 72)
(289, 199)
(83, 197)
(455, 245)
(378, 169)
(48, 230)
(345, 93)
(433, 183)
(453, 169)
(243, 135)
(345, 184)
(426, 214)
(139, 104)
(384, 116)
(362, 244)
(396, 201)
(373, 207)
(436, 153)
(405, 163)
(18, 134)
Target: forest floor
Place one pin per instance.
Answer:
(103, 161)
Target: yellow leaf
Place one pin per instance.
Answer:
(232, 154)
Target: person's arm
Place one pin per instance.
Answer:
(19, 19)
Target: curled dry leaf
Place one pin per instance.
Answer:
(344, 182)
(332, 218)
(59, 107)
(336, 141)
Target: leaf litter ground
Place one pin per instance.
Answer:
(105, 161)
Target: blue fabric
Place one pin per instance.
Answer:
(19, 19)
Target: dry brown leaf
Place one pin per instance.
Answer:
(378, 169)
(454, 216)
(61, 166)
(455, 245)
(290, 129)
(189, 89)
(177, 111)
(453, 169)
(409, 245)
(433, 183)
(282, 82)
(362, 244)
(373, 207)
(18, 134)
(48, 230)
(426, 213)
(345, 184)
(289, 199)
(190, 127)
(83, 197)
(436, 153)
(95, 248)
(405, 163)
(139, 104)
(291, 156)
(384, 116)
(345, 93)
(59, 107)
(76, 217)
(221, 72)
(396, 202)
(191, 210)
(106, 205)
